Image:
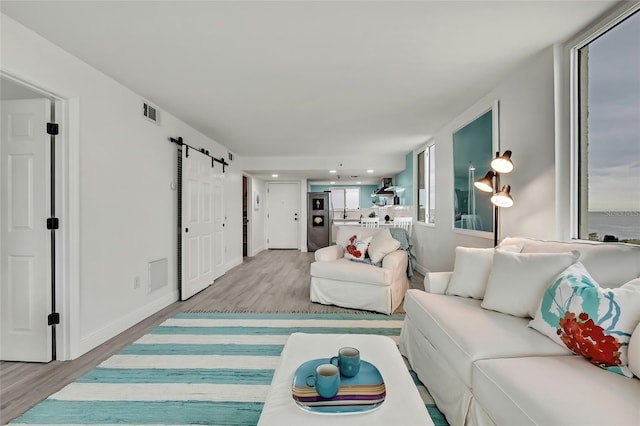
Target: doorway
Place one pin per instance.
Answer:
(245, 217)
(27, 250)
(62, 273)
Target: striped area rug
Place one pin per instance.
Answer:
(198, 368)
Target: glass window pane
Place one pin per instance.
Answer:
(352, 198)
(337, 198)
(431, 150)
(422, 192)
(609, 96)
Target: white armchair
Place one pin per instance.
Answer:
(336, 280)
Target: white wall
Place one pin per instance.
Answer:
(527, 128)
(127, 208)
(257, 220)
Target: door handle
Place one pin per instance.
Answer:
(186, 229)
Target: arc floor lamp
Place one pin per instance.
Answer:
(491, 183)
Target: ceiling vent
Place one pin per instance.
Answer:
(150, 112)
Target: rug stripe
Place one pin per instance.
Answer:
(280, 323)
(147, 412)
(191, 361)
(163, 349)
(161, 392)
(275, 330)
(218, 376)
(212, 339)
(303, 316)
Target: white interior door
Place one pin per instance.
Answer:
(198, 228)
(219, 220)
(25, 246)
(283, 215)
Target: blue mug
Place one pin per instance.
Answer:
(348, 360)
(326, 380)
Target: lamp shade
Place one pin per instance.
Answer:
(486, 183)
(503, 198)
(503, 163)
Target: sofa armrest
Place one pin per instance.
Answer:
(396, 259)
(437, 282)
(326, 254)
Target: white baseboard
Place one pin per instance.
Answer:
(121, 324)
(421, 269)
(257, 250)
(232, 263)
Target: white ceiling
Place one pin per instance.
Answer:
(303, 78)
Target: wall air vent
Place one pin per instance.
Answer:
(151, 112)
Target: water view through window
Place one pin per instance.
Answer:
(609, 79)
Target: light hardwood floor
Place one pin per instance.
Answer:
(272, 281)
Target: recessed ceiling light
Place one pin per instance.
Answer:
(369, 171)
(332, 171)
(274, 175)
(333, 182)
(358, 183)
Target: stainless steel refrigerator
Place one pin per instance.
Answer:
(319, 220)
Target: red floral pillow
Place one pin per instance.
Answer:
(357, 247)
(589, 320)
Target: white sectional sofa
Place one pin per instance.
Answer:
(336, 280)
(485, 367)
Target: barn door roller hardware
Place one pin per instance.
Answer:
(179, 141)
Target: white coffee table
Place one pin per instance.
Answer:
(402, 406)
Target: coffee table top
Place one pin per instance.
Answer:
(403, 404)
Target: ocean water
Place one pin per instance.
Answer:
(622, 224)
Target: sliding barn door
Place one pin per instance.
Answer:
(219, 220)
(198, 223)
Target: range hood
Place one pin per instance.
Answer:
(386, 188)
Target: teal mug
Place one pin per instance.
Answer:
(348, 361)
(326, 380)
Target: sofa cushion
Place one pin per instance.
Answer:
(381, 245)
(518, 280)
(346, 270)
(554, 390)
(460, 329)
(471, 270)
(633, 352)
(591, 321)
(357, 247)
(611, 264)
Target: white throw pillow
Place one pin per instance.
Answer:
(357, 247)
(381, 245)
(589, 320)
(471, 270)
(518, 280)
(633, 352)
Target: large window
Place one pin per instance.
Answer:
(426, 184)
(345, 198)
(608, 68)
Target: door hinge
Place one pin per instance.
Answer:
(53, 223)
(53, 318)
(52, 129)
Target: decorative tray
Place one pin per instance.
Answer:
(359, 394)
